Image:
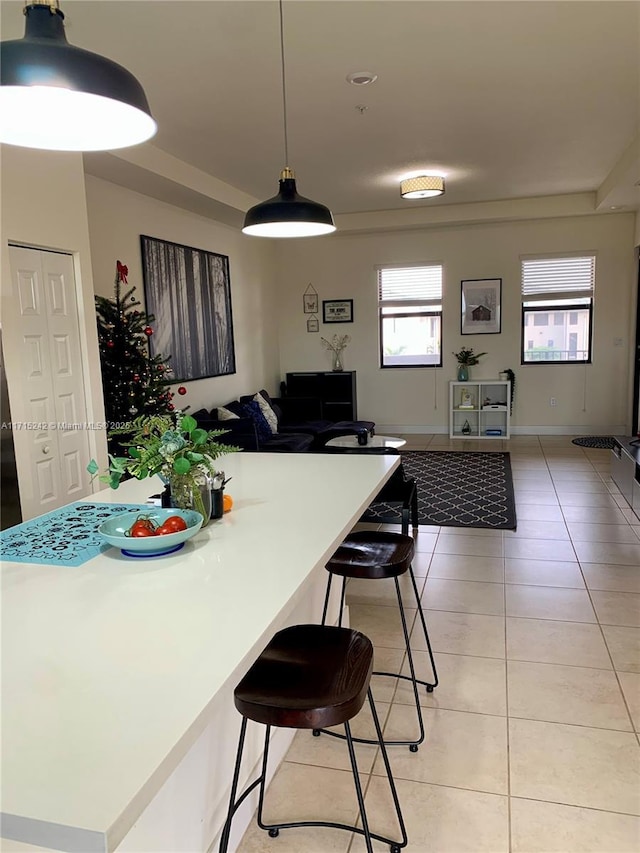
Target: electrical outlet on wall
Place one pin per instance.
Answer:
(553, 401)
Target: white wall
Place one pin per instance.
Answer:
(117, 218)
(594, 397)
(43, 205)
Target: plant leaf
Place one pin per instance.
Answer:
(181, 466)
(188, 424)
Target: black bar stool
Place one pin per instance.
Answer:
(310, 676)
(375, 555)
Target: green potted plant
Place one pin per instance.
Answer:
(466, 358)
(175, 448)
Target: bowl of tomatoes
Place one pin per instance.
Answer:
(151, 533)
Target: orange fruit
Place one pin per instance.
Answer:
(227, 502)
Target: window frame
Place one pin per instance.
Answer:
(545, 308)
(399, 312)
(552, 302)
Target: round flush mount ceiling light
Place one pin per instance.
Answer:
(424, 186)
(361, 78)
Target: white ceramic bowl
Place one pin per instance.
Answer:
(113, 530)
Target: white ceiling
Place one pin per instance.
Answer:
(508, 100)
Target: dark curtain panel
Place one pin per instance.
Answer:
(189, 293)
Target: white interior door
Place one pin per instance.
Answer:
(48, 403)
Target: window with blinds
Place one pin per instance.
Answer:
(557, 309)
(410, 313)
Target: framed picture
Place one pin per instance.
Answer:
(313, 325)
(188, 291)
(310, 301)
(481, 298)
(337, 310)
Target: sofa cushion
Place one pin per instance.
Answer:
(287, 443)
(224, 414)
(234, 406)
(267, 411)
(252, 410)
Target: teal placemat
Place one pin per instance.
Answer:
(67, 536)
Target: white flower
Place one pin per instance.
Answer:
(337, 343)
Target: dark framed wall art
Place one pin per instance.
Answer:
(189, 292)
(481, 308)
(337, 310)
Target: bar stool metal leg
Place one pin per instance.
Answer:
(428, 684)
(412, 744)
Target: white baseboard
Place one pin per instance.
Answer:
(429, 429)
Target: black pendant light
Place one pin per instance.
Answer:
(287, 214)
(60, 97)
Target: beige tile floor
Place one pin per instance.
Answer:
(532, 736)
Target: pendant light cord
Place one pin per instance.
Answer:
(284, 89)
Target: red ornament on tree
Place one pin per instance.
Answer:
(148, 331)
(182, 390)
(109, 344)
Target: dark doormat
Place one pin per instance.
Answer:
(605, 442)
(457, 489)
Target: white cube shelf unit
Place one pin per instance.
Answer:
(479, 409)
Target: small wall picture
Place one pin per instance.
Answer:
(481, 300)
(313, 325)
(337, 310)
(310, 300)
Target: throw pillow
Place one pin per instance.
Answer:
(252, 410)
(267, 411)
(225, 414)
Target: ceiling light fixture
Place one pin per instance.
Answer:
(424, 186)
(287, 214)
(59, 97)
(361, 78)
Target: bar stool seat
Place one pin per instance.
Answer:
(376, 555)
(310, 676)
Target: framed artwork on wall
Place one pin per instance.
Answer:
(337, 310)
(310, 300)
(189, 293)
(481, 306)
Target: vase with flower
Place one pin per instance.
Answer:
(466, 358)
(337, 344)
(177, 450)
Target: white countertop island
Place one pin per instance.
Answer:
(110, 670)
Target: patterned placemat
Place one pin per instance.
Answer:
(457, 489)
(67, 536)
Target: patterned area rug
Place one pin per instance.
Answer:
(457, 489)
(601, 441)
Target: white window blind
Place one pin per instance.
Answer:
(410, 285)
(558, 278)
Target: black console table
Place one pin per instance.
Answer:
(336, 392)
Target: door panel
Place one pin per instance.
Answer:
(52, 449)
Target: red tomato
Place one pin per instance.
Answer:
(173, 524)
(140, 530)
(142, 526)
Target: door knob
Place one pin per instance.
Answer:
(46, 449)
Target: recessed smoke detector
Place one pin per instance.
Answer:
(361, 78)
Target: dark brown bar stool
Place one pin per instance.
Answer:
(375, 555)
(310, 676)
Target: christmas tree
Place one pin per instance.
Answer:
(134, 382)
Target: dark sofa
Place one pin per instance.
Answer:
(299, 425)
